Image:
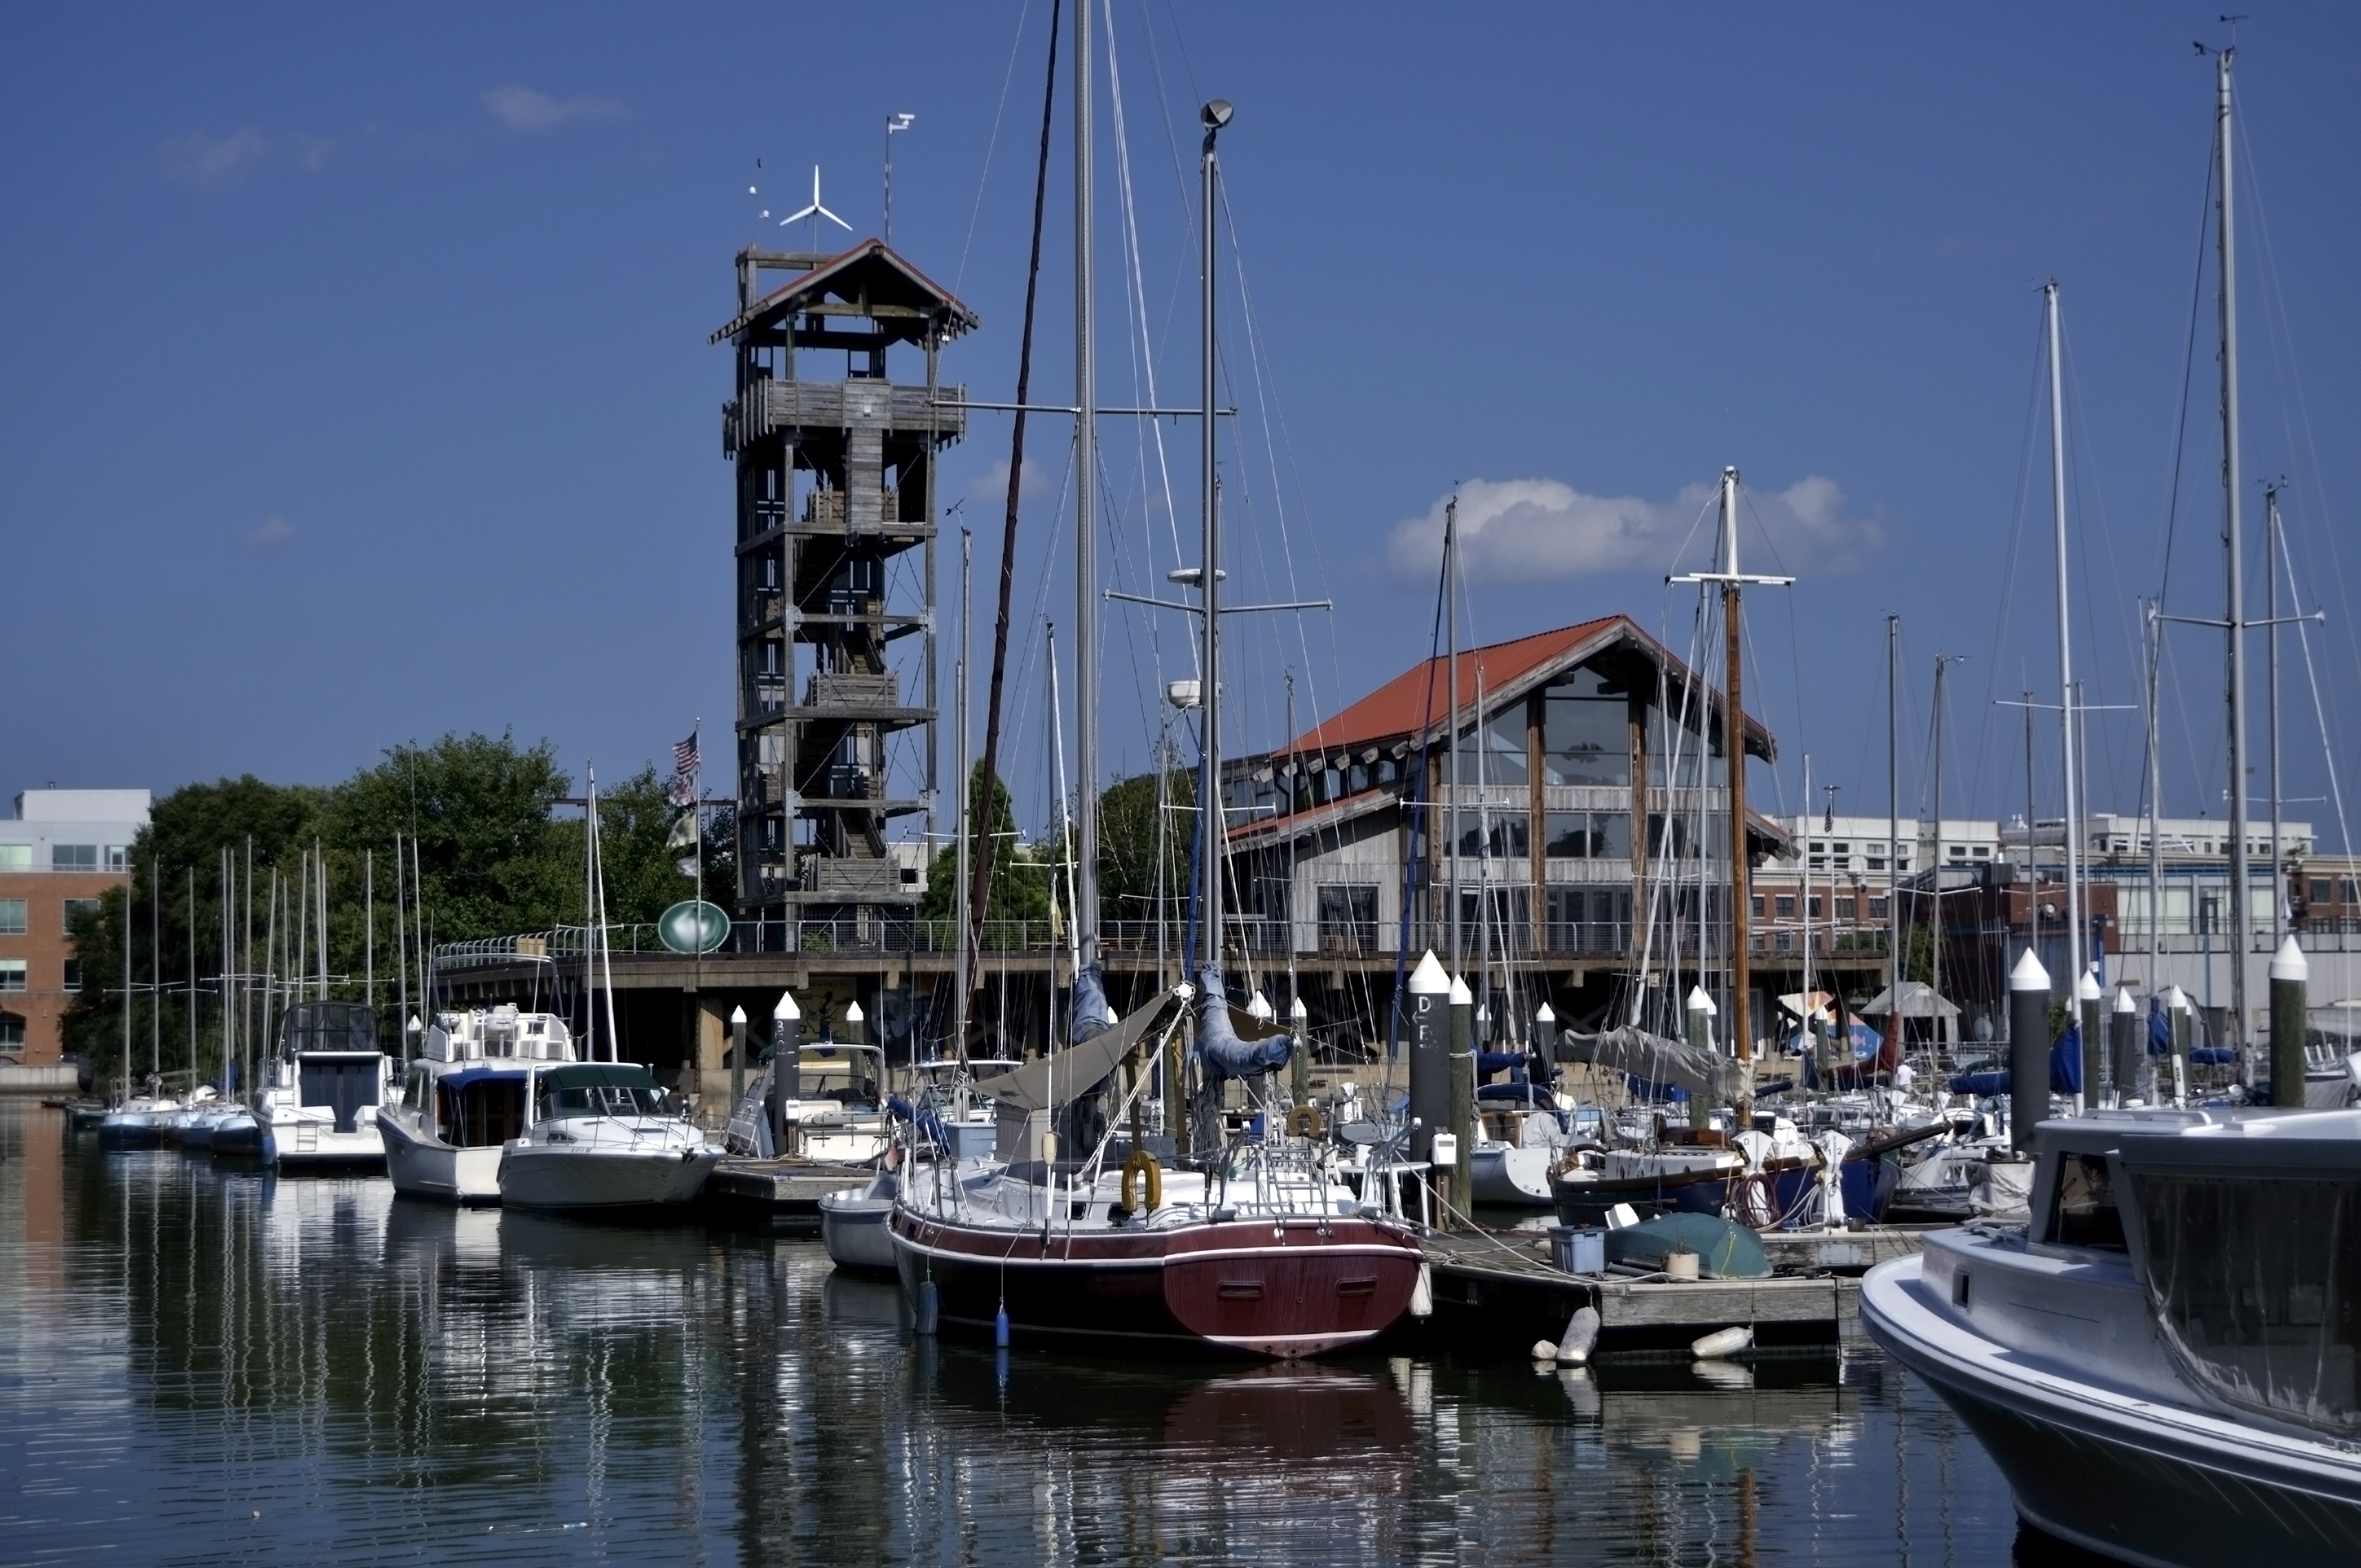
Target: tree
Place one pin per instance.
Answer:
(1020, 891)
(1144, 836)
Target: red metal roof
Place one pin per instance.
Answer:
(1419, 697)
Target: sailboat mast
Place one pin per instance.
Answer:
(1741, 1022)
(1086, 623)
(2075, 934)
(2233, 545)
(1213, 116)
(2154, 809)
(1451, 677)
(965, 823)
(1893, 815)
(1934, 856)
(2271, 683)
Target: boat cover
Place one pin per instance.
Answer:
(1638, 1054)
(1232, 1043)
(466, 1077)
(1069, 1074)
(1725, 1249)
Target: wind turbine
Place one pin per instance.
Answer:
(815, 212)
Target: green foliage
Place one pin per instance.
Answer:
(495, 854)
(1137, 831)
(1019, 890)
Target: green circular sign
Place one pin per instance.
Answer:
(690, 927)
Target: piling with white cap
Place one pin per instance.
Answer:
(2126, 1049)
(2290, 974)
(2090, 1010)
(1299, 1054)
(1699, 1010)
(1462, 1089)
(2028, 1050)
(786, 1065)
(2182, 1016)
(1429, 1054)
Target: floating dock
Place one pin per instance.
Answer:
(777, 1191)
(1493, 1289)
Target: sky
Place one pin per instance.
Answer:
(357, 387)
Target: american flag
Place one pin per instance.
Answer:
(684, 757)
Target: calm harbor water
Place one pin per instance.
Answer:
(204, 1366)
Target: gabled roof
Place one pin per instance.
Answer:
(871, 273)
(1419, 699)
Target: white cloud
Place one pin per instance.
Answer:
(1533, 530)
(521, 108)
(269, 533)
(200, 159)
(991, 485)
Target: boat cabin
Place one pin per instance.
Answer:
(331, 1049)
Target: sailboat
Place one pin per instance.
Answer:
(1260, 1249)
(601, 1135)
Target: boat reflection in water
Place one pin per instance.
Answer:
(193, 1346)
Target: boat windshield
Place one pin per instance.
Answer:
(2256, 1281)
(604, 1100)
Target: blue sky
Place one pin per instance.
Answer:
(357, 386)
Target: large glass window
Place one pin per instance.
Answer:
(1585, 731)
(2083, 1213)
(1504, 760)
(74, 906)
(72, 978)
(1348, 918)
(12, 917)
(1510, 835)
(2256, 1282)
(1588, 835)
(15, 856)
(12, 1032)
(12, 974)
(73, 857)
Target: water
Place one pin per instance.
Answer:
(202, 1366)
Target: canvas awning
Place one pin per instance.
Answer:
(1918, 1001)
(1062, 1078)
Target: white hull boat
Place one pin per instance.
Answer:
(318, 1107)
(1504, 1175)
(2162, 1363)
(467, 1095)
(604, 1137)
(852, 1224)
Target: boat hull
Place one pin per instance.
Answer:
(852, 1226)
(2127, 1477)
(1503, 1177)
(301, 1142)
(587, 1176)
(1263, 1287)
(1586, 1203)
(428, 1168)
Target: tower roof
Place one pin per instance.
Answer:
(870, 278)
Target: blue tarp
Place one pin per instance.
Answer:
(2160, 1028)
(2066, 1062)
(1510, 1062)
(1090, 1003)
(1866, 1041)
(1983, 1085)
(2213, 1056)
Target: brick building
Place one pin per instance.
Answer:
(64, 848)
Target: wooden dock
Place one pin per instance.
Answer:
(777, 1191)
(1494, 1290)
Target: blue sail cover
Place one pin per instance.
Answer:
(2160, 1028)
(1510, 1062)
(2066, 1062)
(1218, 1046)
(1090, 1003)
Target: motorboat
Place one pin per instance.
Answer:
(854, 1224)
(1261, 1251)
(2165, 1360)
(465, 1096)
(326, 1080)
(603, 1135)
(845, 1125)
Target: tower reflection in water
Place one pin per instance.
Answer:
(378, 1378)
